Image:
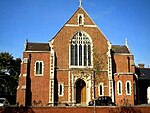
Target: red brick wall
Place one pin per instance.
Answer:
(124, 63)
(102, 77)
(61, 47)
(124, 99)
(62, 77)
(73, 20)
(39, 84)
(62, 39)
(91, 110)
(124, 70)
(78, 110)
(22, 83)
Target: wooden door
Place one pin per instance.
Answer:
(83, 94)
(80, 91)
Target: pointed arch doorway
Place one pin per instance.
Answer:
(80, 91)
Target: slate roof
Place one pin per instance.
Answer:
(144, 73)
(120, 49)
(37, 46)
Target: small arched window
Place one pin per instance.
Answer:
(39, 67)
(128, 88)
(101, 89)
(80, 19)
(60, 89)
(119, 87)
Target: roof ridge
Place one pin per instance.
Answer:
(39, 42)
(118, 45)
(82, 8)
(120, 49)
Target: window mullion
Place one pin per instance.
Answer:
(74, 55)
(82, 50)
(78, 50)
(87, 55)
(82, 54)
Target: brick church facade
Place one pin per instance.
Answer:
(77, 65)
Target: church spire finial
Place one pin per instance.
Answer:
(126, 42)
(80, 3)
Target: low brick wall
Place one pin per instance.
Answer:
(145, 109)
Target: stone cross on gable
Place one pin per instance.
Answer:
(80, 3)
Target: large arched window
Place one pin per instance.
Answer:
(80, 50)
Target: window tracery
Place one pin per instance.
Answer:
(80, 50)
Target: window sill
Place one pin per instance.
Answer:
(81, 67)
(38, 75)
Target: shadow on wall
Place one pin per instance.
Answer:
(55, 83)
(28, 97)
(113, 71)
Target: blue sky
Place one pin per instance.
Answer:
(40, 20)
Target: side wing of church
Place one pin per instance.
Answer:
(77, 65)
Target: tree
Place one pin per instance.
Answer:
(8, 65)
(98, 72)
(9, 73)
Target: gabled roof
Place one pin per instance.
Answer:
(120, 49)
(144, 73)
(80, 10)
(73, 21)
(37, 46)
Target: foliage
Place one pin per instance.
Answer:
(99, 65)
(9, 71)
(8, 65)
(98, 62)
(98, 70)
